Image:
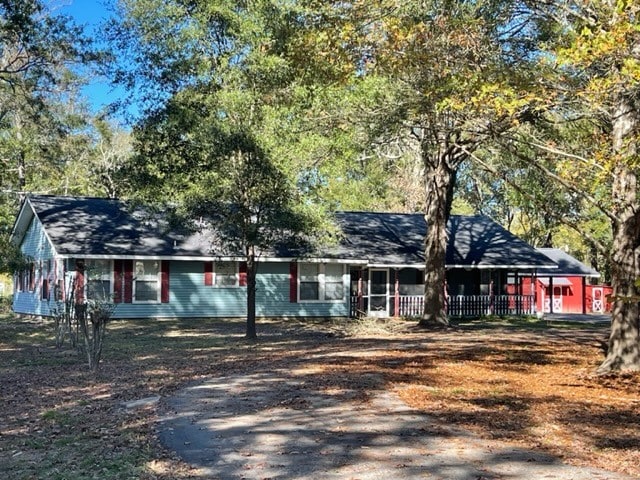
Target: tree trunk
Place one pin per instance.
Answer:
(623, 352)
(252, 269)
(440, 175)
(22, 163)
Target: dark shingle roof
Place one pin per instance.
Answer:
(567, 265)
(101, 226)
(84, 226)
(398, 239)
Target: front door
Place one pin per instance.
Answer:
(379, 292)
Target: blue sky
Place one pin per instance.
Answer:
(89, 13)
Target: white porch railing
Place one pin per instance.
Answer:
(461, 305)
(411, 305)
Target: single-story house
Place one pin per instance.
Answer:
(84, 249)
(565, 289)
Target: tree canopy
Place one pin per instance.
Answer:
(273, 113)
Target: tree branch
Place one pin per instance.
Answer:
(574, 225)
(567, 185)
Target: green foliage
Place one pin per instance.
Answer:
(11, 258)
(44, 141)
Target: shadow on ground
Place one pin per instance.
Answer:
(275, 425)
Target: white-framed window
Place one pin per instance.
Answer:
(320, 282)
(98, 280)
(26, 278)
(146, 281)
(225, 274)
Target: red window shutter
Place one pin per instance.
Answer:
(117, 281)
(242, 270)
(208, 273)
(79, 286)
(164, 281)
(32, 277)
(128, 281)
(293, 282)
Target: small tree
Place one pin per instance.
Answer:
(77, 317)
(64, 317)
(252, 208)
(216, 89)
(12, 259)
(92, 320)
(248, 206)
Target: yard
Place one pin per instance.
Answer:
(526, 382)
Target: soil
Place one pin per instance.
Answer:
(528, 386)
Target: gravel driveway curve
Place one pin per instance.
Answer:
(271, 426)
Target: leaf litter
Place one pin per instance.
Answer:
(534, 388)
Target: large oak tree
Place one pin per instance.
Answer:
(448, 76)
(595, 49)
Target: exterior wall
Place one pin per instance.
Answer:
(565, 298)
(273, 299)
(36, 246)
(190, 297)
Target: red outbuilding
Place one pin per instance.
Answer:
(568, 289)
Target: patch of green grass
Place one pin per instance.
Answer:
(37, 443)
(458, 391)
(60, 418)
(522, 322)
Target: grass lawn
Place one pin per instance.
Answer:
(515, 380)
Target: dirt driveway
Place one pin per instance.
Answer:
(277, 425)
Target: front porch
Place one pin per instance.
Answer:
(399, 292)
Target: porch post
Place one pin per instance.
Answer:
(360, 299)
(584, 295)
(518, 293)
(491, 299)
(534, 280)
(397, 294)
(551, 296)
(534, 290)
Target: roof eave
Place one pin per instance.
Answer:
(21, 225)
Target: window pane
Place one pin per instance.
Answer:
(98, 268)
(378, 282)
(309, 271)
(99, 290)
(333, 272)
(226, 268)
(333, 291)
(378, 304)
(225, 280)
(146, 290)
(309, 290)
(226, 274)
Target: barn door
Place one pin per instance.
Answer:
(598, 303)
(557, 299)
